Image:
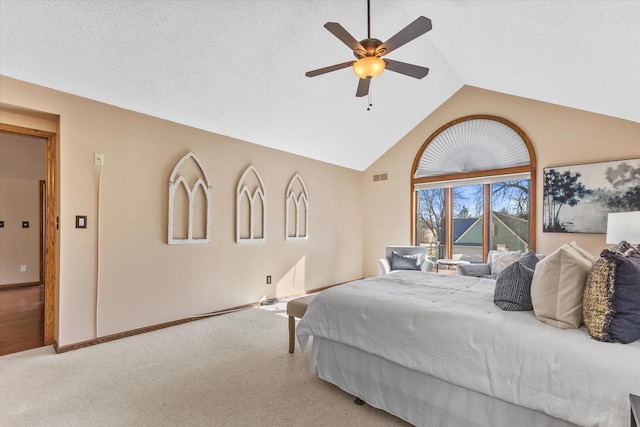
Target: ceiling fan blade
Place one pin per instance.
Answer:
(404, 36)
(410, 70)
(328, 69)
(363, 87)
(346, 38)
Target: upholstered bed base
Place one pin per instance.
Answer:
(413, 396)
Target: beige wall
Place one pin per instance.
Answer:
(559, 135)
(143, 281)
(22, 167)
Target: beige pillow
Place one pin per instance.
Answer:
(558, 285)
(502, 260)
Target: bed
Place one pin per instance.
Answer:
(435, 350)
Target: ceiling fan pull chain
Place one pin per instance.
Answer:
(369, 100)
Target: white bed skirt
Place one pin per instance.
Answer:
(416, 397)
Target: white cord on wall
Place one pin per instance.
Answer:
(98, 251)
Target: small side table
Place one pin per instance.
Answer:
(450, 263)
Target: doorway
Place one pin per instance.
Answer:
(27, 238)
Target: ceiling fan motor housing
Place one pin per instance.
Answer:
(371, 48)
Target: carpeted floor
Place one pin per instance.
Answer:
(230, 370)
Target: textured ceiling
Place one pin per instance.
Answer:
(237, 67)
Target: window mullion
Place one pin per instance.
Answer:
(486, 229)
(449, 222)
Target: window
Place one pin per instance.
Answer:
(431, 221)
(510, 215)
(468, 221)
(471, 169)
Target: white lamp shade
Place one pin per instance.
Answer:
(623, 226)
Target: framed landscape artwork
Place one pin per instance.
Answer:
(578, 198)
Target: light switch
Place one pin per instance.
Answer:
(81, 221)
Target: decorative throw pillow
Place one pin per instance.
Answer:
(597, 303)
(558, 286)
(529, 260)
(612, 296)
(513, 288)
(500, 260)
(406, 262)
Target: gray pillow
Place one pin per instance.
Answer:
(406, 262)
(513, 288)
(529, 260)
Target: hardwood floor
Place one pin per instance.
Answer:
(21, 318)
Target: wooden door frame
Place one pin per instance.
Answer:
(50, 225)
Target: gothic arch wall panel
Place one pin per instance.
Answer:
(251, 208)
(297, 210)
(189, 202)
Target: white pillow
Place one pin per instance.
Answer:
(558, 286)
(501, 260)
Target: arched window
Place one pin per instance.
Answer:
(473, 183)
(251, 208)
(189, 202)
(297, 210)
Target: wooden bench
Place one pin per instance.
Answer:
(296, 308)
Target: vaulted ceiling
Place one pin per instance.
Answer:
(237, 68)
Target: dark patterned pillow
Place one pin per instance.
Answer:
(529, 260)
(611, 303)
(513, 288)
(406, 262)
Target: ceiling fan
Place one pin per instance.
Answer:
(370, 51)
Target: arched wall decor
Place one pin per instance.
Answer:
(297, 199)
(474, 149)
(201, 185)
(248, 233)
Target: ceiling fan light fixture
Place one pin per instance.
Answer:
(368, 66)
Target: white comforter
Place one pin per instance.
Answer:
(448, 327)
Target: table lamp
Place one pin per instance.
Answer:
(623, 226)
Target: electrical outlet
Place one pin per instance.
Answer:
(268, 280)
(98, 159)
(23, 268)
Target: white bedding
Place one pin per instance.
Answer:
(448, 327)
